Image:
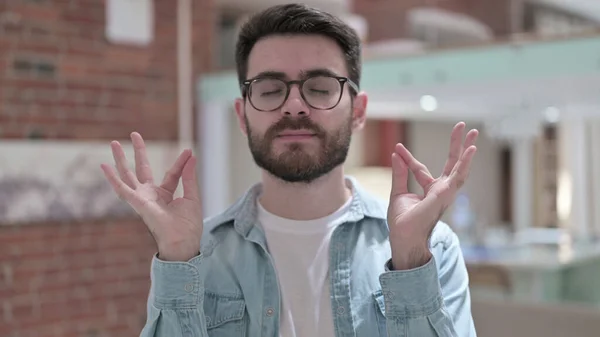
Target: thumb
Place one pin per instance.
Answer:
(189, 179)
(399, 175)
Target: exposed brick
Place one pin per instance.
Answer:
(89, 88)
(32, 12)
(73, 278)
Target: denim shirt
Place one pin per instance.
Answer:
(231, 288)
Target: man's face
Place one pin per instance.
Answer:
(297, 142)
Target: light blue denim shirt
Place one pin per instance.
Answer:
(231, 288)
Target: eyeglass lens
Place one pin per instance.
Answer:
(320, 92)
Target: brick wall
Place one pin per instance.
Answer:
(61, 79)
(87, 279)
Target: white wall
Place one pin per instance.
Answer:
(244, 172)
(594, 175)
(62, 181)
(429, 143)
(573, 182)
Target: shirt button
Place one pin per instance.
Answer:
(341, 310)
(270, 312)
(189, 287)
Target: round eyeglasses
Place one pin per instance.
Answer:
(319, 92)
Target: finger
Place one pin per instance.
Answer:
(469, 141)
(471, 138)
(419, 170)
(171, 179)
(122, 167)
(142, 166)
(121, 188)
(461, 172)
(189, 179)
(456, 148)
(399, 175)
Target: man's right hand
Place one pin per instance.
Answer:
(175, 224)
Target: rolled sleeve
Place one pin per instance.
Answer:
(177, 285)
(411, 293)
(432, 300)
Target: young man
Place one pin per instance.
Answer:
(306, 252)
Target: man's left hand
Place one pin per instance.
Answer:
(412, 217)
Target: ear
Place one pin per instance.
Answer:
(239, 112)
(359, 111)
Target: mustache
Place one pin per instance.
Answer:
(301, 123)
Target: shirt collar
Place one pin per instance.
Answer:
(244, 211)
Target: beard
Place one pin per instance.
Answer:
(296, 164)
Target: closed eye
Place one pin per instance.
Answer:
(271, 93)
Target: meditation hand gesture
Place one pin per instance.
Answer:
(175, 224)
(412, 217)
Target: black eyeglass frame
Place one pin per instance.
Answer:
(288, 84)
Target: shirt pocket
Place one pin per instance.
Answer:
(379, 303)
(225, 315)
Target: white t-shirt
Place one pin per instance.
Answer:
(300, 252)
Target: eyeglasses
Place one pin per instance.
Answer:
(319, 92)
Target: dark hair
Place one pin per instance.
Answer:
(297, 19)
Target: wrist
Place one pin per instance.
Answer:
(410, 257)
(176, 258)
(177, 255)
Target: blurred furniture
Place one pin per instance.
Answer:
(498, 318)
(490, 277)
(536, 273)
(443, 28)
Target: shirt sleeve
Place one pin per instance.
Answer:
(432, 300)
(175, 302)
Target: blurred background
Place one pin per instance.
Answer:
(75, 74)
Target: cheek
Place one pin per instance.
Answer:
(258, 124)
(336, 119)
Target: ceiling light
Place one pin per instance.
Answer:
(429, 103)
(552, 114)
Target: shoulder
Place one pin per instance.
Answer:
(446, 249)
(241, 214)
(217, 229)
(443, 236)
(370, 205)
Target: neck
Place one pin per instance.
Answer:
(300, 201)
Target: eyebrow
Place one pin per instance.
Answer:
(303, 74)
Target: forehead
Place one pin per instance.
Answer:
(296, 54)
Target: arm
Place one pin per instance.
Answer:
(175, 303)
(428, 301)
(428, 293)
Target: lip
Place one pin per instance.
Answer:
(296, 136)
(296, 133)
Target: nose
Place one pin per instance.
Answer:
(295, 104)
